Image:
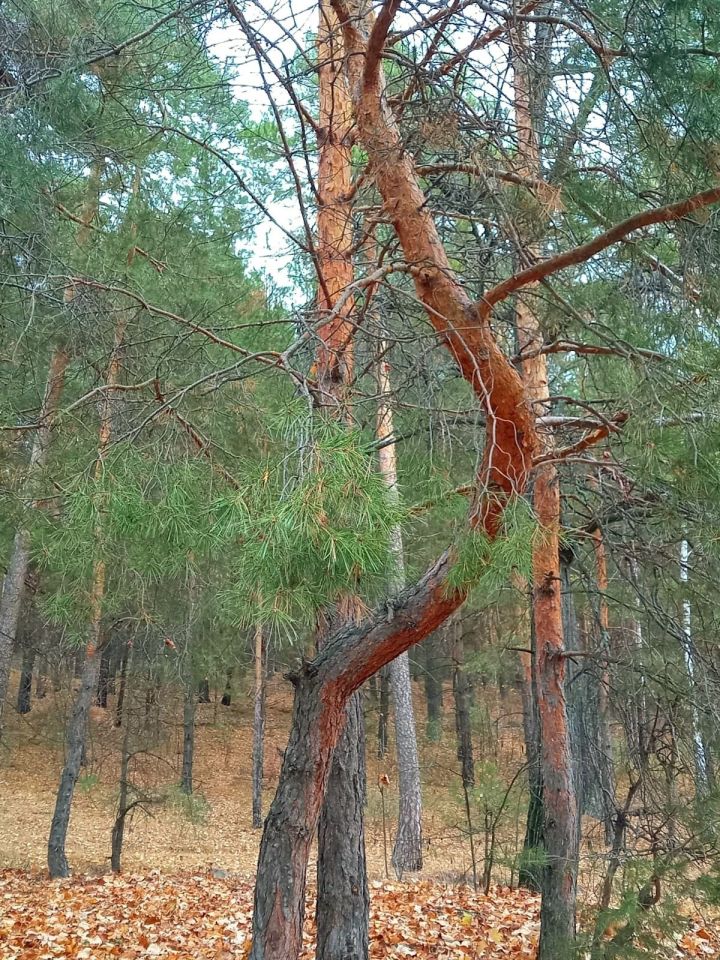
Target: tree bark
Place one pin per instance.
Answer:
(433, 690)
(700, 748)
(343, 895)
(190, 696)
(101, 698)
(258, 749)
(530, 870)
(343, 904)
(559, 883)
(74, 750)
(17, 569)
(227, 692)
(461, 694)
(383, 713)
(24, 700)
(122, 686)
(407, 850)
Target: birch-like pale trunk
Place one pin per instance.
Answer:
(407, 850)
(700, 753)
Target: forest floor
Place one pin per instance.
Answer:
(186, 889)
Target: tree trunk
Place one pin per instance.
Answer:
(356, 652)
(531, 858)
(343, 897)
(461, 694)
(118, 830)
(342, 894)
(122, 686)
(407, 851)
(189, 708)
(74, 749)
(203, 691)
(227, 692)
(17, 568)
(433, 689)
(101, 698)
(24, 700)
(383, 713)
(557, 918)
(258, 748)
(700, 749)
(559, 884)
(124, 805)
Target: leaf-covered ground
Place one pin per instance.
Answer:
(202, 916)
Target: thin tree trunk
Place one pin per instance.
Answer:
(203, 690)
(190, 697)
(383, 713)
(122, 686)
(461, 694)
(227, 692)
(24, 700)
(258, 729)
(118, 830)
(17, 568)
(433, 690)
(407, 850)
(124, 805)
(189, 709)
(530, 870)
(101, 698)
(74, 749)
(604, 749)
(700, 750)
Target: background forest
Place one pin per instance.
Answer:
(360, 458)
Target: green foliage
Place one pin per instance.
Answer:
(488, 564)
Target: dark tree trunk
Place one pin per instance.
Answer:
(122, 686)
(189, 707)
(74, 750)
(24, 699)
(343, 898)
(461, 694)
(204, 691)
(227, 692)
(118, 830)
(433, 689)
(258, 729)
(383, 713)
(41, 679)
(124, 806)
(101, 698)
(530, 872)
